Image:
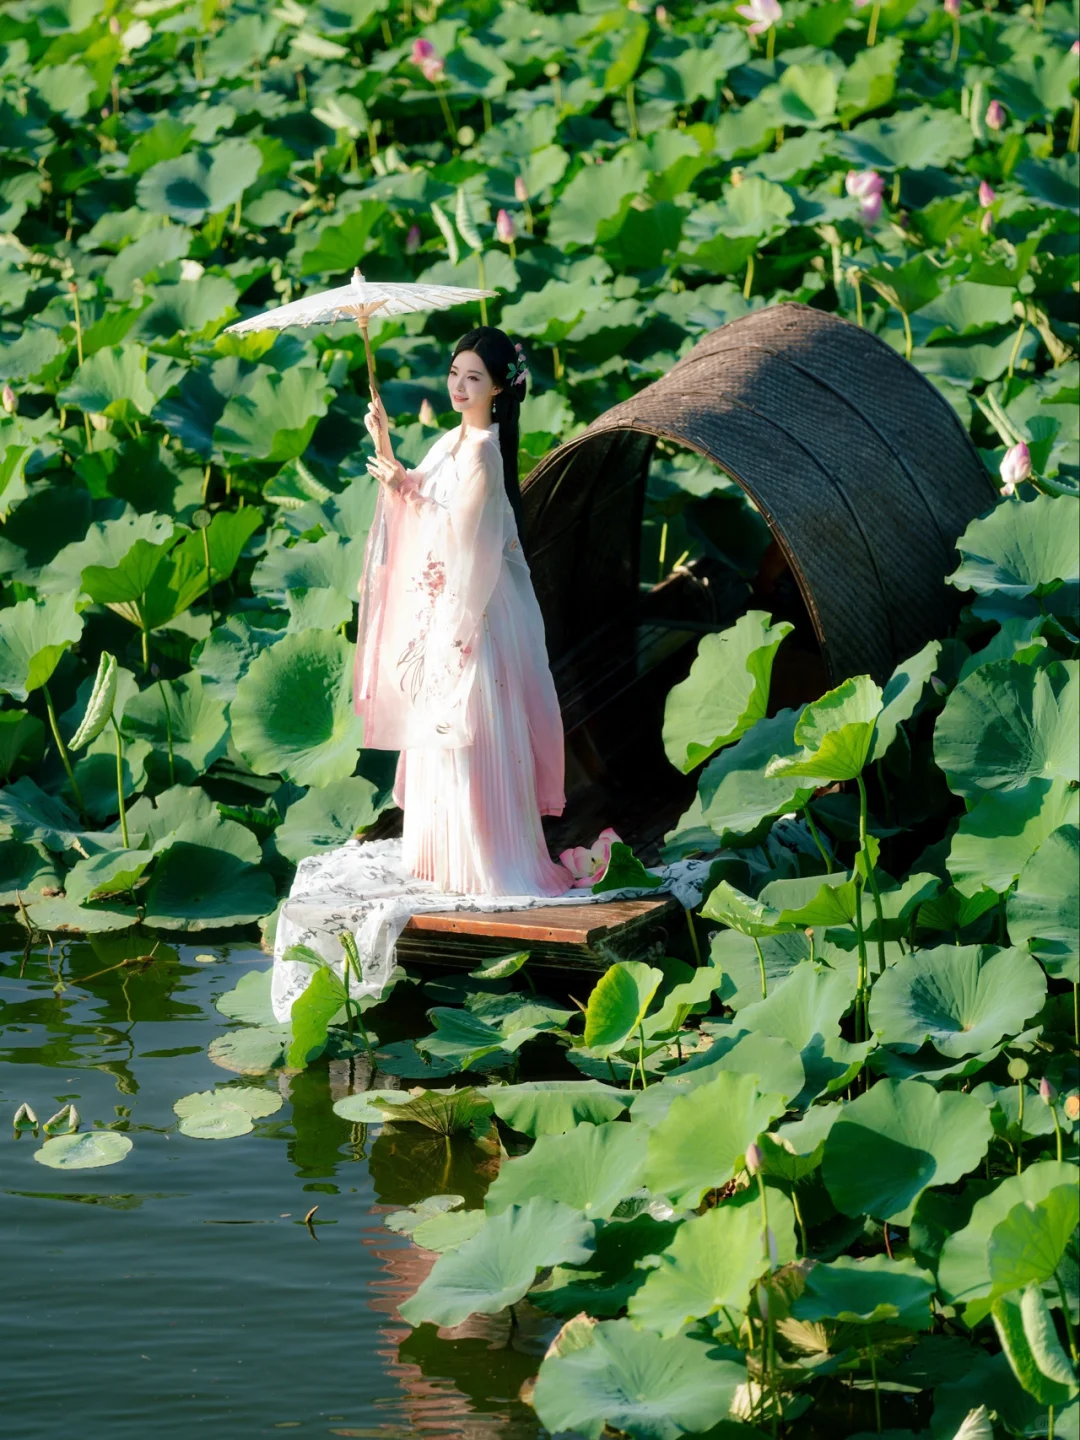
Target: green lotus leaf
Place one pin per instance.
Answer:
(896, 1140)
(726, 692)
(806, 1012)
(501, 967)
(1008, 724)
(612, 1273)
(870, 1291)
(186, 812)
(447, 1112)
(403, 1059)
(443, 1233)
(750, 917)
(363, 1109)
(99, 707)
(836, 733)
(901, 695)
(61, 915)
(499, 1264)
(805, 96)
(696, 71)
(467, 1040)
(195, 308)
(681, 1000)
(999, 835)
(35, 816)
(1020, 549)
(33, 636)
(145, 257)
(114, 872)
(330, 563)
(196, 887)
(554, 1107)
(224, 656)
(704, 1137)
(183, 578)
(908, 285)
(618, 1004)
(123, 586)
(91, 1150)
(254, 1050)
(311, 1014)
(713, 1261)
(733, 794)
(1029, 1245)
(200, 183)
(293, 400)
(591, 1168)
(1029, 1339)
(909, 140)
(592, 206)
(551, 313)
(966, 308)
(1043, 911)
(794, 1151)
(1052, 181)
(113, 382)
(814, 900)
(774, 1062)
(963, 999)
(624, 871)
(25, 871)
(177, 714)
(633, 1381)
(225, 1113)
(22, 742)
(249, 1000)
(325, 818)
(315, 743)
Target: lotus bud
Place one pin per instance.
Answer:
(11, 404)
(1046, 1091)
(412, 240)
(986, 222)
(521, 190)
(761, 14)
(505, 228)
(952, 7)
(114, 25)
(986, 194)
(1072, 1107)
(863, 183)
(661, 15)
(755, 1159)
(1015, 467)
(870, 209)
(995, 115)
(427, 413)
(762, 1296)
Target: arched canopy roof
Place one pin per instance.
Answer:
(861, 468)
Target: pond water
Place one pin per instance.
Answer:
(180, 1292)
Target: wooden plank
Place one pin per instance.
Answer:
(555, 924)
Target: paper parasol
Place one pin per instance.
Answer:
(358, 301)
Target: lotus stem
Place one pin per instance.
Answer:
(352, 962)
(1020, 1126)
(641, 1054)
(817, 838)
(871, 36)
(1016, 348)
(909, 343)
(209, 573)
(631, 109)
(1073, 143)
(387, 33)
(64, 756)
(955, 39)
(862, 1031)
(448, 114)
(749, 269)
(1057, 1135)
(877, 1392)
(894, 198)
(663, 549)
(557, 362)
(800, 1222)
(168, 730)
(693, 934)
(761, 967)
(770, 42)
(1076, 1014)
(871, 875)
(120, 782)
(1069, 1331)
(483, 285)
(1049, 1422)
(858, 302)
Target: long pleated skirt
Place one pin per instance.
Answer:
(472, 815)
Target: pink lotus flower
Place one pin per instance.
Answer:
(995, 115)
(521, 190)
(1015, 467)
(428, 59)
(761, 14)
(10, 403)
(412, 240)
(986, 195)
(870, 209)
(427, 413)
(505, 228)
(952, 7)
(863, 183)
(587, 864)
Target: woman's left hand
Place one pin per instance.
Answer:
(390, 473)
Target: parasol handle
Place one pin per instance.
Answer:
(373, 387)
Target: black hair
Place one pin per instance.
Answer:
(502, 360)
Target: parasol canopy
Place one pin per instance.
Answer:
(358, 301)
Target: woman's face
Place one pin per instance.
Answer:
(470, 387)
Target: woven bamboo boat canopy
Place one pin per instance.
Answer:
(861, 468)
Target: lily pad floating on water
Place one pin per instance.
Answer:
(223, 1114)
(253, 1050)
(89, 1151)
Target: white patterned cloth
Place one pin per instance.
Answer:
(364, 887)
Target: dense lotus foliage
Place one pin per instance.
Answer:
(826, 1176)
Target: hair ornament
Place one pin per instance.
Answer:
(517, 371)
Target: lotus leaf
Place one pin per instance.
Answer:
(713, 1261)
(186, 727)
(726, 692)
(873, 1291)
(500, 967)
(1042, 910)
(249, 1000)
(902, 694)
(733, 793)
(295, 398)
(794, 1151)
(198, 887)
(910, 140)
(225, 1113)
(636, 1382)
(704, 1137)
(1004, 829)
(113, 382)
(22, 742)
(311, 1014)
(836, 733)
(200, 183)
(618, 1004)
(33, 815)
(447, 1112)
(363, 1109)
(963, 999)
(251, 1051)
(1029, 1245)
(612, 1274)
(33, 636)
(1026, 1331)
(26, 871)
(325, 818)
(315, 743)
(1019, 549)
(553, 1107)
(91, 1150)
(806, 1012)
(591, 1168)
(498, 1265)
(897, 1139)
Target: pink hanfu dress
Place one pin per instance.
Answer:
(452, 670)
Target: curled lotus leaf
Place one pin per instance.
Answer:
(99, 707)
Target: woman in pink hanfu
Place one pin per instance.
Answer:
(451, 661)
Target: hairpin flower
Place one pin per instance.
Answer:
(517, 371)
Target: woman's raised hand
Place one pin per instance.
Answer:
(376, 425)
(388, 472)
